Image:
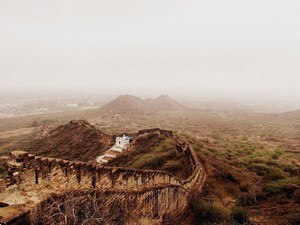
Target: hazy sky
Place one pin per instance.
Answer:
(232, 47)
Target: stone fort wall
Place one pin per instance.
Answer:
(140, 193)
(113, 206)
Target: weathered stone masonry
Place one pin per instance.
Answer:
(140, 193)
(153, 203)
(88, 175)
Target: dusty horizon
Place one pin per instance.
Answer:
(222, 148)
(250, 50)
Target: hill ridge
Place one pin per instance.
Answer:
(133, 104)
(77, 139)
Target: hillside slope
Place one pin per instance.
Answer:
(77, 140)
(155, 151)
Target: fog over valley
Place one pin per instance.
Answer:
(248, 53)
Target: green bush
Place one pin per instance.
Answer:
(240, 216)
(275, 173)
(241, 163)
(148, 160)
(213, 150)
(275, 156)
(279, 151)
(291, 169)
(259, 168)
(158, 149)
(288, 186)
(270, 172)
(168, 144)
(271, 189)
(249, 149)
(151, 160)
(256, 159)
(291, 180)
(198, 147)
(209, 212)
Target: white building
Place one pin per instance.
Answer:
(122, 143)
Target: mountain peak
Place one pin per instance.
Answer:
(133, 104)
(126, 96)
(164, 97)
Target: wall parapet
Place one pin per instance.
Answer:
(197, 179)
(127, 193)
(92, 174)
(95, 175)
(108, 205)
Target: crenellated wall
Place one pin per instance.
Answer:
(130, 193)
(112, 206)
(85, 175)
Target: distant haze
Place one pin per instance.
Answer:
(232, 48)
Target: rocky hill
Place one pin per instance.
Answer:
(155, 150)
(133, 104)
(76, 140)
